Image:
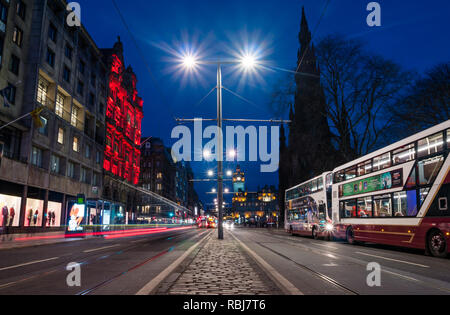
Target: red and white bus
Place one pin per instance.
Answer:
(397, 195)
(308, 207)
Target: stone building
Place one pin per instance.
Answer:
(46, 62)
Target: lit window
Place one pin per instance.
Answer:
(382, 162)
(76, 145)
(74, 116)
(59, 109)
(42, 91)
(60, 135)
(430, 145)
(43, 130)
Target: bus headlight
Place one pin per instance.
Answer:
(329, 227)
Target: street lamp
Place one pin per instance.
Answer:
(247, 62)
(210, 173)
(229, 173)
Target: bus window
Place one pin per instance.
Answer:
(320, 184)
(364, 168)
(382, 162)
(430, 145)
(339, 177)
(382, 206)
(365, 207)
(423, 195)
(411, 182)
(350, 173)
(322, 214)
(429, 169)
(349, 209)
(405, 204)
(404, 154)
(314, 186)
(448, 139)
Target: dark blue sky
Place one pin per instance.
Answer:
(414, 33)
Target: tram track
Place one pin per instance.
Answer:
(319, 275)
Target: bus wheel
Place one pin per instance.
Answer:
(315, 234)
(437, 244)
(350, 236)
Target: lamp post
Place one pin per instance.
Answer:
(247, 62)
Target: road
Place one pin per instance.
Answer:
(108, 266)
(126, 265)
(321, 267)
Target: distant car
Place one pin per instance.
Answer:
(228, 224)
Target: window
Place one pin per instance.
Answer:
(381, 162)
(10, 94)
(91, 99)
(423, 194)
(50, 57)
(80, 88)
(76, 144)
(159, 176)
(339, 177)
(36, 157)
(95, 180)
(59, 109)
(448, 139)
(405, 204)
(159, 187)
(98, 157)
(70, 170)
(14, 64)
(349, 209)
(88, 152)
(43, 130)
(429, 169)
(382, 206)
(350, 173)
(93, 79)
(61, 135)
(364, 168)
(74, 116)
(68, 52)
(404, 154)
(66, 74)
(3, 12)
(2, 41)
(411, 182)
(21, 9)
(42, 91)
(430, 145)
(84, 175)
(52, 32)
(365, 207)
(82, 67)
(17, 36)
(55, 164)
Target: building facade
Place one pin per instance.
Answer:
(47, 63)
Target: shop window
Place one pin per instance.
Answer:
(405, 204)
(430, 145)
(381, 162)
(429, 169)
(404, 154)
(365, 207)
(382, 206)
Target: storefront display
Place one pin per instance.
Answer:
(76, 217)
(10, 210)
(33, 212)
(53, 218)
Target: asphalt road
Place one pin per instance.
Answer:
(108, 266)
(322, 267)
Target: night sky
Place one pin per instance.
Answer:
(414, 33)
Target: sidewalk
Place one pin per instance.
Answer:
(10, 241)
(221, 267)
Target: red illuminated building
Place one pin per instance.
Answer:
(124, 115)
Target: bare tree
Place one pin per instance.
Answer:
(360, 89)
(427, 102)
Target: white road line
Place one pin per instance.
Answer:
(396, 260)
(96, 249)
(282, 282)
(154, 283)
(28, 263)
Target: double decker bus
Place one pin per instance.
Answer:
(308, 207)
(397, 195)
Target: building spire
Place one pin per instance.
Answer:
(305, 35)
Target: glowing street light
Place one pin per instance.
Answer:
(189, 61)
(213, 190)
(210, 173)
(227, 190)
(232, 153)
(229, 173)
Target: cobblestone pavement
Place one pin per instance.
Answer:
(222, 267)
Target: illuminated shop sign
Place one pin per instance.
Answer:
(76, 217)
(383, 181)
